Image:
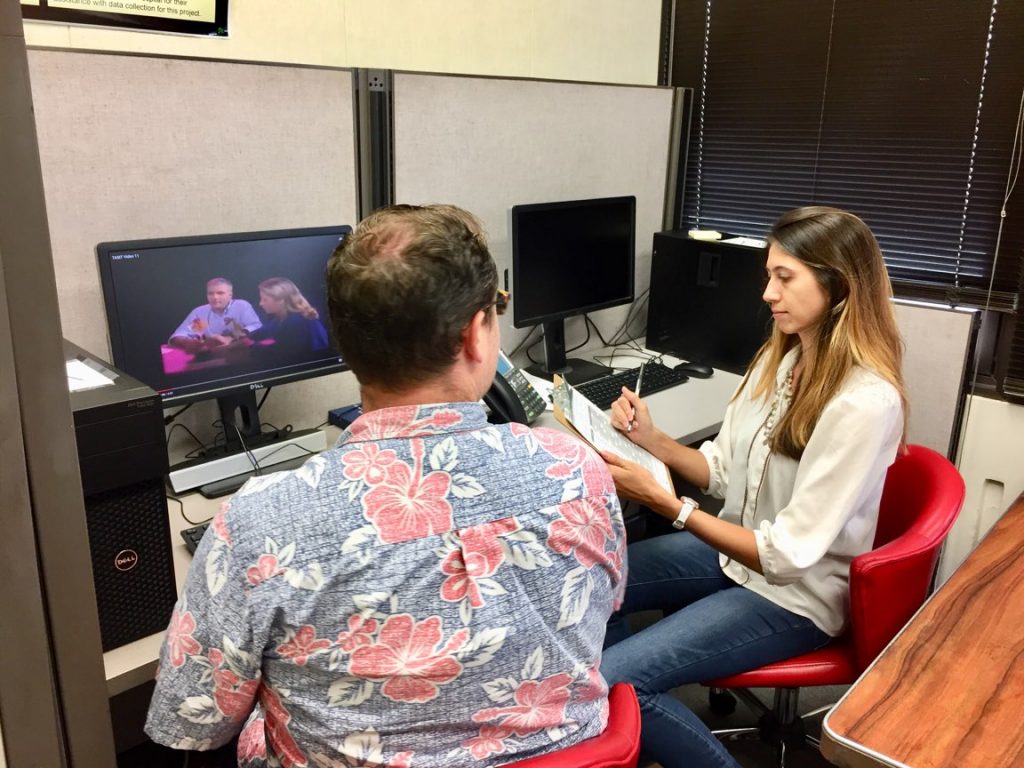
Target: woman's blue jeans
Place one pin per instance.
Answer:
(712, 628)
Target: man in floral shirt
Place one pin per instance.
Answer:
(433, 591)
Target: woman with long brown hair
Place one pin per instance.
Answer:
(293, 324)
(800, 462)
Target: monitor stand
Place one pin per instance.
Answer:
(240, 419)
(573, 369)
(224, 468)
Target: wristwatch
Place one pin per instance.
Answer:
(684, 512)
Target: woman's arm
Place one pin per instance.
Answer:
(634, 482)
(688, 463)
(842, 468)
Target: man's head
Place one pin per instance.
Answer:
(411, 290)
(218, 293)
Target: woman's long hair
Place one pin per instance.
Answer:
(859, 328)
(283, 289)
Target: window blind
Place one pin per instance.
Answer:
(904, 113)
(900, 112)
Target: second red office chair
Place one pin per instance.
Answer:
(617, 747)
(921, 499)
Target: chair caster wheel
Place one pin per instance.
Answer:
(721, 701)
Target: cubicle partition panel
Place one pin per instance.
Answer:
(490, 143)
(51, 678)
(937, 345)
(138, 147)
(937, 356)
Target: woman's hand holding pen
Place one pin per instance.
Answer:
(631, 417)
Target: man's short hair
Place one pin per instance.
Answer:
(219, 281)
(402, 288)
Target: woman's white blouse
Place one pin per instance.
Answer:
(813, 516)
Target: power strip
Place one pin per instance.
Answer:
(193, 476)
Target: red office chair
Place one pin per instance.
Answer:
(617, 747)
(922, 496)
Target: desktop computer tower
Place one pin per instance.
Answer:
(119, 431)
(705, 304)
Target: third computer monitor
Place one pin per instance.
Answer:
(569, 258)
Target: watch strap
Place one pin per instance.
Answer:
(684, 512)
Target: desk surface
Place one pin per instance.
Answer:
(692, 412)
(948, 690)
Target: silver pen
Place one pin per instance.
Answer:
(639, 382)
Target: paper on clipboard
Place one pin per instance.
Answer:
(592, 424)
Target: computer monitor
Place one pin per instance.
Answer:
(569, 258)
(221, 316)
(705, 303)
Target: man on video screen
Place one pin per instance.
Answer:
(217, 323)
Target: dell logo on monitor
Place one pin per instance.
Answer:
(126, 559)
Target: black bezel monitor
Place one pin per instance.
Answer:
(152, 287)
(570, 258)
(693, 280)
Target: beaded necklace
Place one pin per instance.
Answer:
(782, 394)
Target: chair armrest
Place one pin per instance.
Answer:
(901, 570)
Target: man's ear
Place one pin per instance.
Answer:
(474, 337)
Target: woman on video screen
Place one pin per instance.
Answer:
(293, 324)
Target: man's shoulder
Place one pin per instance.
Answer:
(560, 444)
(556, 455)
(282, 494)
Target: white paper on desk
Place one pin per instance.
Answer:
(81, 376)
(753, 242)
(596, 428)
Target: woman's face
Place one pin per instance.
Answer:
(273, 307)
(797, 299)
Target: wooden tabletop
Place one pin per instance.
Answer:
(949, 691)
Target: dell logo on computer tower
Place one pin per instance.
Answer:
(126, 559)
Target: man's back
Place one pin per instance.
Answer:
(431, 592)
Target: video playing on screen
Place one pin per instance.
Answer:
(194, 317)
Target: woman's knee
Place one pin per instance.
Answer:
(618, 666)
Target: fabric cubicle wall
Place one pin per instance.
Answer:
(937, 350)
(937, 343)
(140, 146)
(487, 144)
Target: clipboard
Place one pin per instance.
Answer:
(592, 426)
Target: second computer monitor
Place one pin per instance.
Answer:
(706, 304)
(569, 258)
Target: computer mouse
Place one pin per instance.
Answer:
(698, 370)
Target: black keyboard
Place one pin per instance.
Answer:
(193, 536)
(606, 390)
